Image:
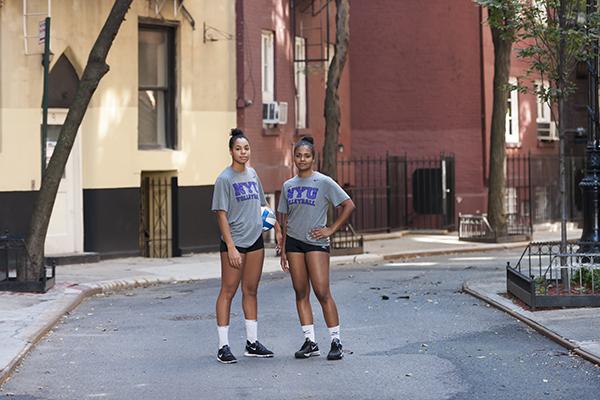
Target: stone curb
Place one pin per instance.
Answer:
(593, 358)
(369, 237)
(359, 259)
(454, 250)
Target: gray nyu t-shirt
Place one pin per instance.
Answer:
(240, 194)
(306, 201)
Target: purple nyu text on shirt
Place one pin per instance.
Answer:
(245, 191)
(302, 195)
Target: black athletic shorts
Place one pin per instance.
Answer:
(297, 246)
(259, 244)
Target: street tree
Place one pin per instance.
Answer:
(504, 22)
(556, 35)
(95, 69)
(334, 75)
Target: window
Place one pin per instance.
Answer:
(541, 9)
(512, 116)
(267, 70)
(543, 108)
(546, 129)
(156, 87)
(300, 80)
(328, 55)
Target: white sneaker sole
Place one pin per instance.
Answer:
(246, 354)
(226, 362)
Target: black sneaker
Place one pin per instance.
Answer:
(224, 355)
(336, 352)
(256, 349)
(308, 349)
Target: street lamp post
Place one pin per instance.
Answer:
(590, 184)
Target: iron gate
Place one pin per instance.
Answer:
(533, 189)
(158, 216)
(397, 192)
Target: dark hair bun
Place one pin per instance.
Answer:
(308, 139)
(236, 132)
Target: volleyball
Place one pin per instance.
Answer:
(268, 218)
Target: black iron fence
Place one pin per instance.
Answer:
(549, 274)
(533, 189)
(397, 192)
(347, 241)
(14, 257)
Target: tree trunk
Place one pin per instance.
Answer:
(95, 69)
(497, 180)
(332, 100)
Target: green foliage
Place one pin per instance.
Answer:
(585, 276)
(552, 36)
(503, 15)
(556, 35)
(540, 285)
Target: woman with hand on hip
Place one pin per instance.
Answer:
(237, 198)
(303, 207)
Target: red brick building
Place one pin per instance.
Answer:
(417, 79)
(422, 83)
(418, 83)
(282, 52)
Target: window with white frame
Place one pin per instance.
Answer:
(300, 80)
(328, 50)
(546, 130)
(512, 116)
(543, 108)
(267, 66)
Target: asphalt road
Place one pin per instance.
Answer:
(408, 332)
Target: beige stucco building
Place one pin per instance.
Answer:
(153, 138)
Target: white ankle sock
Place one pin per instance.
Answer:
(223, 335)
(251, 330)
(309, 332)
(334, 332)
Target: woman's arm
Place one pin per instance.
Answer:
(347, 208)
(235, 259)
(278, 235)
(283, 230)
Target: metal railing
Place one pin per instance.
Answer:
(477, 227)
(397, 192)
(346, 242)
(14, 258)
(474, 226)
(532, 187)
(550, 275)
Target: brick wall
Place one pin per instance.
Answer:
(271, 147)
(416, 85)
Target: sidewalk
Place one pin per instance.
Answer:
(26, 317)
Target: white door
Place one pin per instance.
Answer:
(65, 232)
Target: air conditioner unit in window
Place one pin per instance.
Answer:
(271, 113)
(283, 112)
(547, 131)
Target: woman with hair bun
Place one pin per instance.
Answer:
(303, 206)
(237, 198)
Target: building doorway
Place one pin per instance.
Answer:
(158, 215)
(65, 231)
